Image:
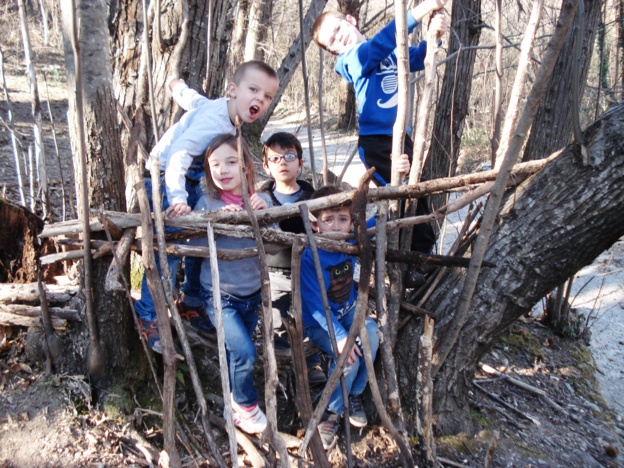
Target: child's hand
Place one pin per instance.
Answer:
(231, 207)
(438, 25)
(402, 164)
(178, 209)
(257, 202)
(353, 354)
(173, 82)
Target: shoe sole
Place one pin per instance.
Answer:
(332, 445)
(357, 424)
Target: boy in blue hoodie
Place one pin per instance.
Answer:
(371, 66)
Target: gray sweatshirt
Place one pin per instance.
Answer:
(237, 277)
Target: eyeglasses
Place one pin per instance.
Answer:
(288, 157)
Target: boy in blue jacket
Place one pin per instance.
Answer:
(338, 269)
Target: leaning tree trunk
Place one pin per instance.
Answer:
(552, 127)
(557, 222)
(452, 106)
(105, 168)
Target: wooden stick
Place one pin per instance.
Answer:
(426, 438)
(96, 357)
(28, 293)
(20, 310)
(270, 366)
(366, 266)
(120, 257)
(524, 386)
(18, 166)
(160, 303)
(294, 328)
(340, 359)
(223, 364)
(306, 88)
(506, 405)
(29, 321)
(197, 220)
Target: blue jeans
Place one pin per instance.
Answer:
(240, 317)
(192, 266)
(355, 375)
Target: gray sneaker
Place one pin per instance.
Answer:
(328, 429)
(357, 416)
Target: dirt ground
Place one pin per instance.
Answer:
(52, 421)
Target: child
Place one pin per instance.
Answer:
(371, 66)
(337, 270)
(283, 160)
(181, 158)
(239, 279)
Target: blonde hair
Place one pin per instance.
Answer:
(318, 23)
(232, 142)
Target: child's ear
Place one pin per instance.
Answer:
(231, 89)
(313, 225)
(266, 168)
(300, 162)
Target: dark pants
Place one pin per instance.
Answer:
(375, 151)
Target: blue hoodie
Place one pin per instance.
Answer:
(372, 68)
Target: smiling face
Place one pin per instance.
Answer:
(224, 169)
(338, 35)
(251, 97)
(335, 220)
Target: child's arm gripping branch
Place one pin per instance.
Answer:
(402, 164)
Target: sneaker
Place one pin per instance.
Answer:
(149, 330)
(357, 416)
(197, 316)
(249, 419)
(316, 375)
(328, 429)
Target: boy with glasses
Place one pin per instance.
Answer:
(283, 161)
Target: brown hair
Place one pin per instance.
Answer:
(259, 65)
(318, 23)
(284, 140)
(232, 142)
(325, 191)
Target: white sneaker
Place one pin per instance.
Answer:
(250, 419)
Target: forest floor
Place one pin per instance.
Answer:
(52, 421)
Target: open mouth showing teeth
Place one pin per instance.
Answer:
(253, 110)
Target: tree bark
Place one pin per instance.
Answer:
(452, 106)
(184, 54)
(534, 251)
(105, 171)
(552, 127)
